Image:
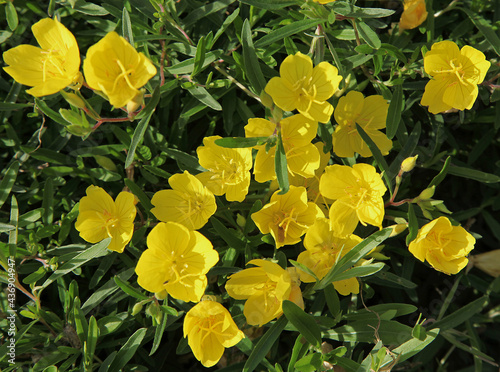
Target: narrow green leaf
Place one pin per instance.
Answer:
(473, 174)
(461, 315)
(137, 191)
(204, 97)
(332, 300)
(7, 106)
(348, 10)
(359, 271)
(227, 22)
(127, 26)
(43, 107)
(202, 11)
(304, 323)
(81, 325)
(92, 337)
(150, 106)
(394, 51)
(442, 174)
(412, 224)
(228, 235)
(298, 351)
(127, 351)
(484, 27)
(159, 330)
(137, 138)
(11, 15)
(250, 60)
(280, 166)
(183, 160)
(304, 268)
(187, 66)
(199, 57)
(389, 331)
(285, 31)
(269, 4)
(48, 202)
(240, 142)
(8, 181)
(264, 345)
(14, 221)
(128, 289)
(97, 250)
(354, 255)
(394, 113)
(368, 35)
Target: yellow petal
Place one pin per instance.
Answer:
(282, 93)
(326, 79)
(434, 93)
(296, 67)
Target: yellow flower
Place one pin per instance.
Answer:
(324, 1)
(209, 329)
(297, 132)
(188, 203)
(100, 217)
(50, 68)
(228, 169)
(264, 287)
(287, 217)
(369, 113)
(444, 246)
(357, 192)
(455, 76)
(323, 248)
(114, 67)
(302, 87)
(414, 14)
(177, 261)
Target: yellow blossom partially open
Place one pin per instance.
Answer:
(302, 87)
(357, 192)
(287, 216)
(323, 248)
(228, 170)
(264, 287)
(455, 76)
(414, 14)
(100, 217)
(50, 68)
(114, 67)
(210, 329)
(188, 203)
(297, 132)
(177, 260)
(443, 245)
(369, 113)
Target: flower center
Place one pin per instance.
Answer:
(283, 220)
(456, 69)
(53, 60)
(124, 75)
(304, 89)
(228, 171)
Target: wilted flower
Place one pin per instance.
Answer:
(287, 216)
(114, 67)
(323, 249)
(188, 203)
(297, 132)
(414, 14)
(210, 329)
(455, 76)
(228, 169)
(264, 287)
(100, 217)
(369, 113)
(489, 262)
(177, 260)
(357, 192)
(50, 68)
(444, 246)
(302, 87)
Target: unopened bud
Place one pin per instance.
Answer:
(427, 193)
(73, 99)
(105, 162)
(398, 229)
(408, 164)
(161, 295)
(266, 99)
(136, 309)
(240, 220)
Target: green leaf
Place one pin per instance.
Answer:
(366, 313)
(227, 22)
(187, 66)
(461, 315)
(92, 336)
(204, 97)
(199, 57)
(202, 11)
(412, 224)
(285, 31)
(411, 347)
(137, 191)
(11, 15)
(298, 351)
(442, 174)
(228, 235)
(359, 271)
(43, 107)
(393, 51)
(484, 27)
(160, 328)
(127, 26)
(280, 167)
(264, 345)
(48, 202)
(269, 4)
(473, 174)
(352, 11)
(127, 351)
(97, 250)
(368, 35)
(389, 331)
(128, 289)
(304, 323)
(240, 142)
(7, 106)
(354, 255)
(394, 113)
(188, 161)
(137, 138)
(250, 60)
(8, 181)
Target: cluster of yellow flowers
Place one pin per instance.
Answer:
(324, 203)
(112, 66)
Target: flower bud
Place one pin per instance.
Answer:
(427, 193)
(408, 164)
(105, 162)
(161, 295)
(137, 308)
(135, 102)
(266, 99)
(73, 99)
(240, 220)
(398, 228)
